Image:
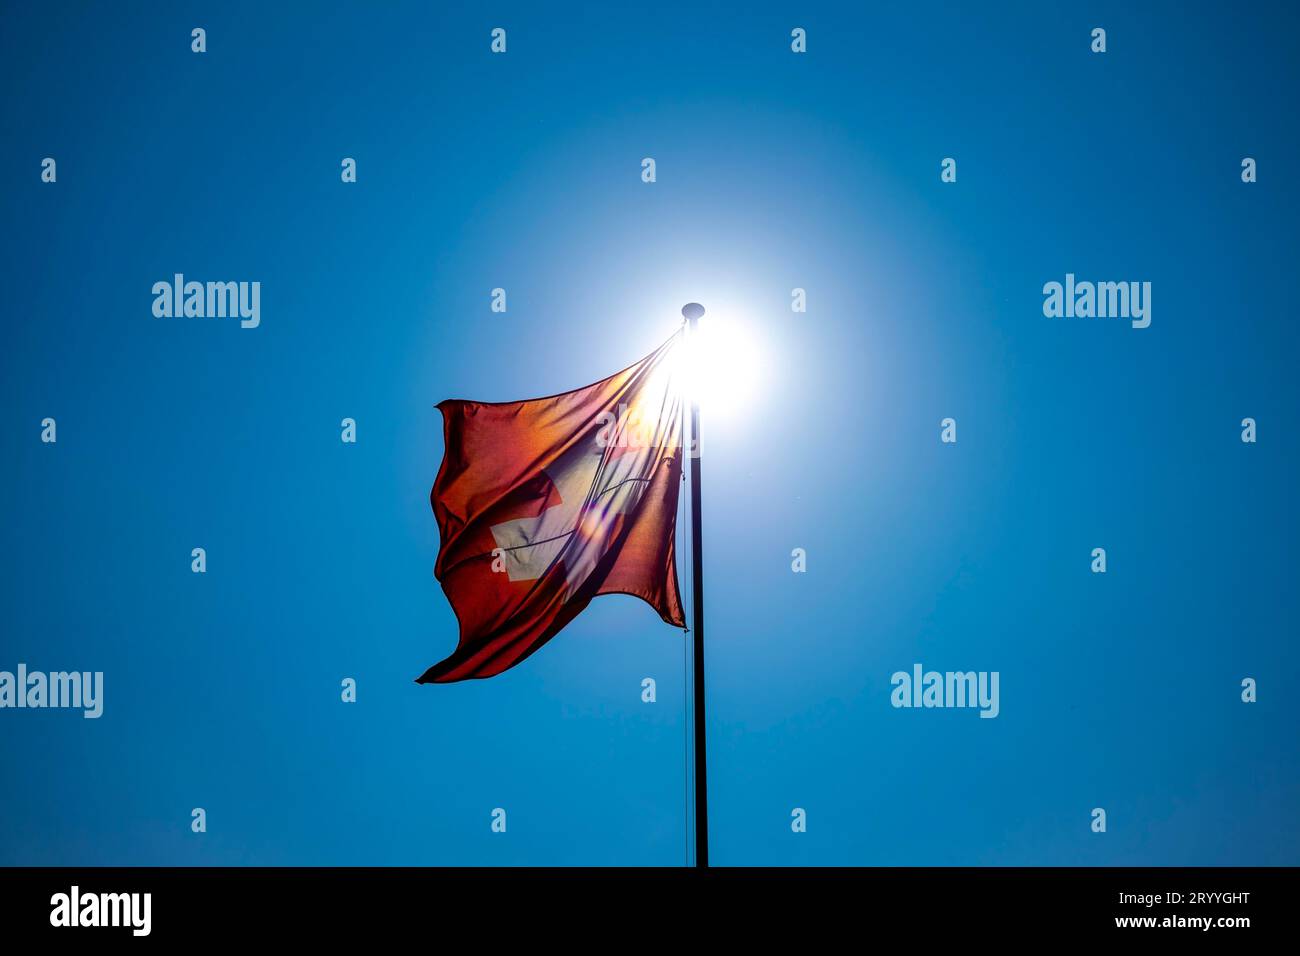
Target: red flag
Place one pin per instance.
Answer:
(544, 504)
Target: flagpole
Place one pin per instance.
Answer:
(692, 312)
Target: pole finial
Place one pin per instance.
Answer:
(692, 310)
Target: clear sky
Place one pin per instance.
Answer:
(774, 171)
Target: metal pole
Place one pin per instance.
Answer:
(692, 311)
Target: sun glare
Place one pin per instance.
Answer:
(723, 366)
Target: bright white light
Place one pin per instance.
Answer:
(724, 366)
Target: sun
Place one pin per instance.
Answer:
(723, 364)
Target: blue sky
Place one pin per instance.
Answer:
(774, 171)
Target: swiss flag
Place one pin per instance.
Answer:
(544, 504)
